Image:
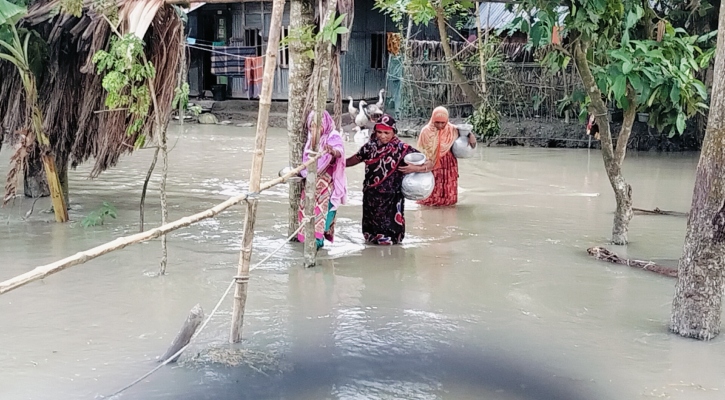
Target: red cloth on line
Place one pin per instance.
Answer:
(254, 70)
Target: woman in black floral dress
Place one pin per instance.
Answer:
(383, 220)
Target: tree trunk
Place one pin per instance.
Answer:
(63, 177)
(471, 95)
(323, 58)
(46, 155)
(300, 72)
(613, 158)
(696, 308)
(255, 178)
(34, 183)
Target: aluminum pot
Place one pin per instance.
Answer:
(418, 185)
(461, 148)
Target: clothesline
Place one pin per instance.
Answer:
(210, 49)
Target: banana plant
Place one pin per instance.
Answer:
(15, 51)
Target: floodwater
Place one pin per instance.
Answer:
(493, 299)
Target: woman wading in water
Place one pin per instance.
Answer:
(383, 219)
(435, 141)
(331, 189)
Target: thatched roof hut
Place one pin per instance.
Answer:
(70, 93)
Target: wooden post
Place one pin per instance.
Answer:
(195, 318)
(484, 88)
(265, 103)
(323, 57)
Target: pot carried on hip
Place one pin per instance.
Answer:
(418, 185)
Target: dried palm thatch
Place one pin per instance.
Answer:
(71, 96)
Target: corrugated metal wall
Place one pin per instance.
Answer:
(359, 80)
(194, 59)
(251, 16)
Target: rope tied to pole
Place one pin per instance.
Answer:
(234, 281)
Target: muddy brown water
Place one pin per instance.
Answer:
(493, 299)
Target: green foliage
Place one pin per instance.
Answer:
(181, 99)
(307, 38)
(331, 31)
(626, 61)
(22, 47)
(72, 7)
(422, 11)
(485, 121)
(127, 74)
(98, 217)
(109, 8)
(568, 103)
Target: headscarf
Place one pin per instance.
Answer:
(328, 136)
(436, 143)
(385, 157)
(386, 123)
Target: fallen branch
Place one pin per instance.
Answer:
(195, 318)
(657, 211)
(122, 242)
(600, 253)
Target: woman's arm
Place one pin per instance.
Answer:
(472, 140)
(409, 169)
(335, 153)
(352, 161)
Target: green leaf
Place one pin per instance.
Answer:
(636, 83)
(627, 67)
(701, 90)
(681, 123)
(10, 13)
(675, 94)
(619, 88)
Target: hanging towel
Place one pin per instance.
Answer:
(230, 61)
(254, 69)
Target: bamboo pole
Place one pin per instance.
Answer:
(484, 88)
(123, 242)
(265, 103)
(161, 123)
(323, 58)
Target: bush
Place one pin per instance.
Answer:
(485, 121)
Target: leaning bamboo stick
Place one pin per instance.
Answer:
(265, 103)
(122, 242)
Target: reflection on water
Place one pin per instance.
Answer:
(493, 299)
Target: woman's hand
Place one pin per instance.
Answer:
(333, 152)
(472, 140)
(409, 169)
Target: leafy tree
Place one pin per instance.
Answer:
(614, 45)
(422, 12)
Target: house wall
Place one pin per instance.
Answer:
(361, 78)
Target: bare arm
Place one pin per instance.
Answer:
(352, 161)
(472, 140)
(409, 169)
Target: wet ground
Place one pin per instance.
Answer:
(493, 299)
